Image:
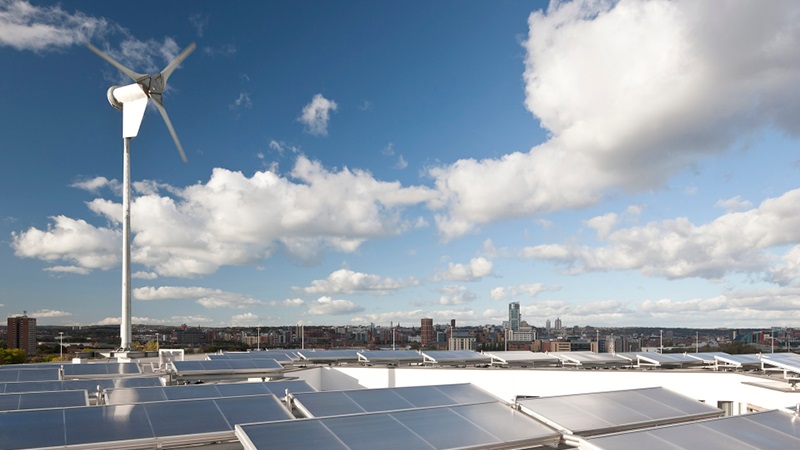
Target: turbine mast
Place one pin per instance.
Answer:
(125, 332)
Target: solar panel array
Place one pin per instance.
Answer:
(391, 357)
(607, 412)
(455, 357)
(277, 355)
(88, 385)
(41, 400)
(489, 425)
(199, 391)
(228, 366)
(523, 358)
(591, 359)
(16, 375)
(327, 356)
(764, 430)
(112, 425)
(336, 403)
(788, 362)
(92, 370)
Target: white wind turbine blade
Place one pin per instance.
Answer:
(171, 130)
(133, 75)
(176, 62)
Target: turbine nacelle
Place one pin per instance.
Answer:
(132, 99)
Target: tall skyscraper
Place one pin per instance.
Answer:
(513, 316)
(547, 326)
(22, 333)
(426, 332)
(558, 324)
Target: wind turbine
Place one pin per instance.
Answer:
(132, 101)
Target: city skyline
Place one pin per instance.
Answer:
(624, 164)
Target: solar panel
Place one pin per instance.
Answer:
(738, 360)
(202, 391)
(88, 385)
(278, 355)
(42, 400)
(456, 357)
(763, 430)
(608, 412)
(784, 361)
(17, 375)
(112, 425)
(329, 356)
(523, 358)
(335, 403)
(391, 357)
(227, 366)
(91, 370)
(707, 357)
(667, 359)
(591, 359)
(489, 425)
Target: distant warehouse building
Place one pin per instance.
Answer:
(22, 333)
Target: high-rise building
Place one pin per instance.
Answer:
(22, 333)
(558, 324)
(547, 326)
(426, 332)
(513, 316)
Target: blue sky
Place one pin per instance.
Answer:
(612, 164)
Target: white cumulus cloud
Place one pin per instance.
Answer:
(233, 219)
(476, 269)
(316, 115)
(325, 306)
(205, 297)
(508, 292)
(631, 93)
(24, 26)
(76, 241)
(677, 248)
(455, 295)
(345, 281)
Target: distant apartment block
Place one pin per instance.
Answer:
(513, 316)
(22, 333)
(426, 332)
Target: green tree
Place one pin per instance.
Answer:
(151, 346)
(12, 356)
